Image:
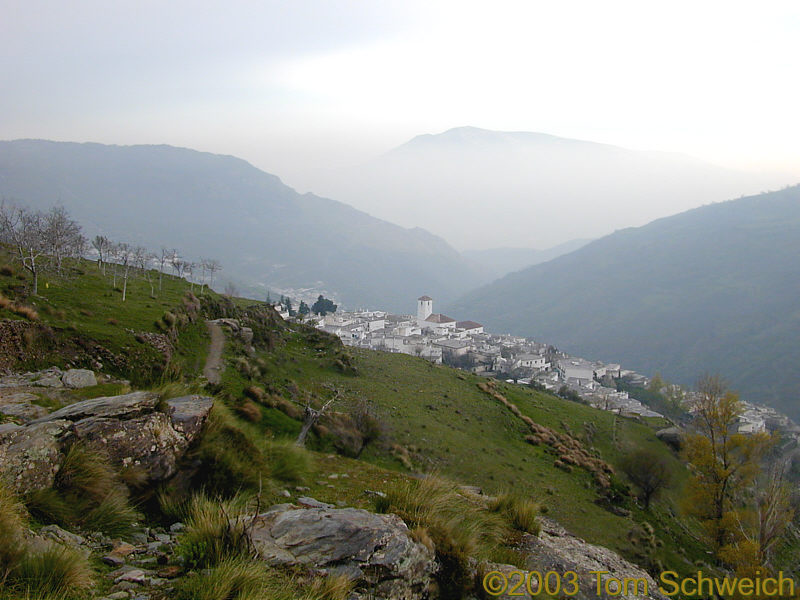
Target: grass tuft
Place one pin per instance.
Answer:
(518, 511)
(213, 532)
(54, 570)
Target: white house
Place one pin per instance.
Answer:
(470, 327)
(576, 368)
(533, 361)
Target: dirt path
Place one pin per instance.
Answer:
(214, 360)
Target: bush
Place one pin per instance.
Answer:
(13, 522)
(213, 532)
(289, 462)
(519, 512)
(460, 528)
(232, 457)
(249, 411)
(54, 570)
(87, 493)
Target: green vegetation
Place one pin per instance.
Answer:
(88, 493)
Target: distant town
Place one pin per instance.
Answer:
(466, 345)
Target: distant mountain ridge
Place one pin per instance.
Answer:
(712, 289)
(480, 188)
(263, 231)
(501, 261)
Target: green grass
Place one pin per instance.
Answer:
(444, 423)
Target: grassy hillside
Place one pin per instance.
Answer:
(394, 417)
(712, 289)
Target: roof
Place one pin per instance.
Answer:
(452, 344)
(439, 318)
(425, 298)
(468, 325)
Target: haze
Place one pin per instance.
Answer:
(308, 90)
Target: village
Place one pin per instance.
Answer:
(466, 345)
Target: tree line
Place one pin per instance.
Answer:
(42, 240)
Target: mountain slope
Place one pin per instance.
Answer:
(220, 206)
(482, 189)
(712, 289)
(501, 261)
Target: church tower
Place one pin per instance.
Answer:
(424, 308)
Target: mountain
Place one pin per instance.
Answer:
(501, 261)
(711, 289)
(482, 189)
(263, 231)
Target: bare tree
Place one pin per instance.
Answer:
(126, 256)
(103, 246)
(143, 261)
(189, 268)
(23, 229)
(311, 416)
(60, 233)
(213, 266)
(231, 289)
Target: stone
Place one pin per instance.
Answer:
(54, 532)
(49, 380)
(30, 456)
(113, 559)
(246, 333)
(189, 413)
(177, 527)
(117, 596)
(374, 493)
(126, 406)
(170, 572)
(132, 576)
(286, 494)
(376, 551)
(19, 406)
(79, 378)
(555, 549)
(309, 502)
(671, 436)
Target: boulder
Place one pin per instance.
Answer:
(376, 551)
(147, 442)
(125, 406)
(20, 407)
(79, 378)
(31, 455)
(130, 429)
(188, 413)
(557, 550)
(671, 436)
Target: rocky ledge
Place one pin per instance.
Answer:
(135, 430)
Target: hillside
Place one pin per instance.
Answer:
(712, 289)
(501, 261)
(483, 189)
(262, 231)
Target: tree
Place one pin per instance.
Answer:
(61, 234)
(103, 246)
(323, 306)
(24, 229)
(213, 266)
(288, 305)
(231, 290)
(303, 310)
(649, 471)
(126, 256)
(724, 463)
(311, 415)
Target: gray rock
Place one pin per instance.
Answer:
(246, 334)
(557, 550)
(79, 378)
(125, 406)
(309, 502)
(55, 532)
(177, 527)
(374, 550)
(671, 436)
(189, 413)
(20, 407)
(51, 380)
(30, 456)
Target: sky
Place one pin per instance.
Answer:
(300, 87)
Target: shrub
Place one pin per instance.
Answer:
(213, 531)
(53, 570)
(232, 457)
(249, 411)
(88, 493)
(232, 579)
(289, 462)
(13, 522)
(519, 512)
(460, 528)
(6, 271)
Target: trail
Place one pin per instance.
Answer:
(214, 360)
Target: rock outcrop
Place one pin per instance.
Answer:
(671, 436)
(374, 550)
(133, 430)
(557, 550)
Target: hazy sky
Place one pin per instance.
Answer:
(299, 86)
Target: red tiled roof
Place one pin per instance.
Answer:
(439, 318)
(425, 298)
(468, 325)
